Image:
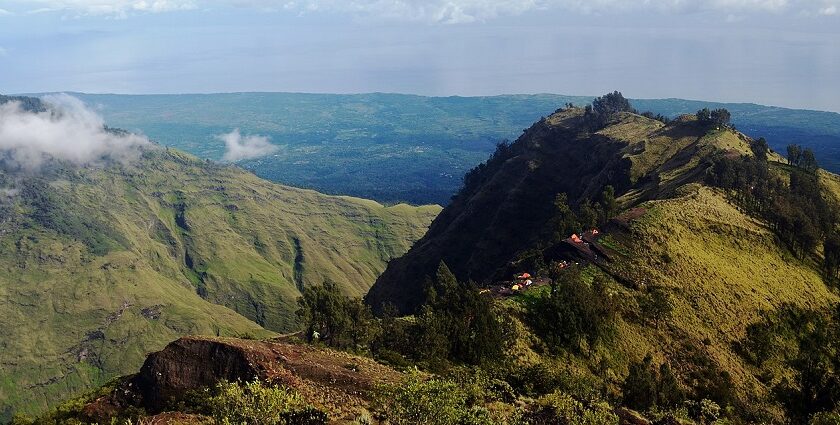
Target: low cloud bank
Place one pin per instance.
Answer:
(239, 147)
(68, 130)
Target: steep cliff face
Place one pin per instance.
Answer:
(507, 203)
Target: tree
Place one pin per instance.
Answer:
(721, 117)
(704, 115)
(589, 214)
(808, 162)
(458, 322)
(759, 149)
(610, 104)
(669, 391)
(337, 320)
(640, 386)
(831, 252)
(657, 305)
(794, 154)
(564, 222)
(646, 387)
(574, 312)
(608, 203)
(718, 117)
(605, 107)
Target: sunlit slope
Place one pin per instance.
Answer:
(722, 269)
(133, 256)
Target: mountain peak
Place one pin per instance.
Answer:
(507, 203)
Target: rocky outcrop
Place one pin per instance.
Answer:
(333, 381)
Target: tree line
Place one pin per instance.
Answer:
(796, 209)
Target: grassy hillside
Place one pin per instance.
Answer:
(721, 259)
(101, 266)
(723, 269)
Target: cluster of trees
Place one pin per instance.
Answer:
(717, 117)
(339, 321)
(605, 107)
(802, 158)
(647, 385)
(456, 324)
(586, 215)
(574, 314)
(813, 341)
(797, 211)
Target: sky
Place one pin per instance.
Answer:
(774, 52)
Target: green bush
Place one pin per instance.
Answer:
(825, 418)
(428, 401)
(561, 408)
(257, 403)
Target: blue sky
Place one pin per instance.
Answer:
(778, 52)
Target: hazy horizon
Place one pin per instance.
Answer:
(772, 52)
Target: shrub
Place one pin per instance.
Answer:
(257, 403)
(560, 408)
(427, 401)
(825, 418)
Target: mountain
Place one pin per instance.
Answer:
(394, 148)
(676, 219)
(681, 273)
(105, 262)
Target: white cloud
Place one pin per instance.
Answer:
(464, 11)
(4, 12)
(118, 8)
(446, 11)
(239, 147)
(3, 52)
(68, 130)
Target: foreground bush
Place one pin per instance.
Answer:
(429, 402)
(560, 408)
(256, 403)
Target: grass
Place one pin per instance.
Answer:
(70, 319)
(723, 269)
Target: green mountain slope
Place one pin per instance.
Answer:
(721, 267)
(102, 265)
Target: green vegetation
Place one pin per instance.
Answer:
(711, 299)
(258, 403)
(574, 314)
(457, 324)
(340, 322)
(706, 232)
(100, 266)
(806, 343)
(429, 401)
(605, 108)
(717, 117)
